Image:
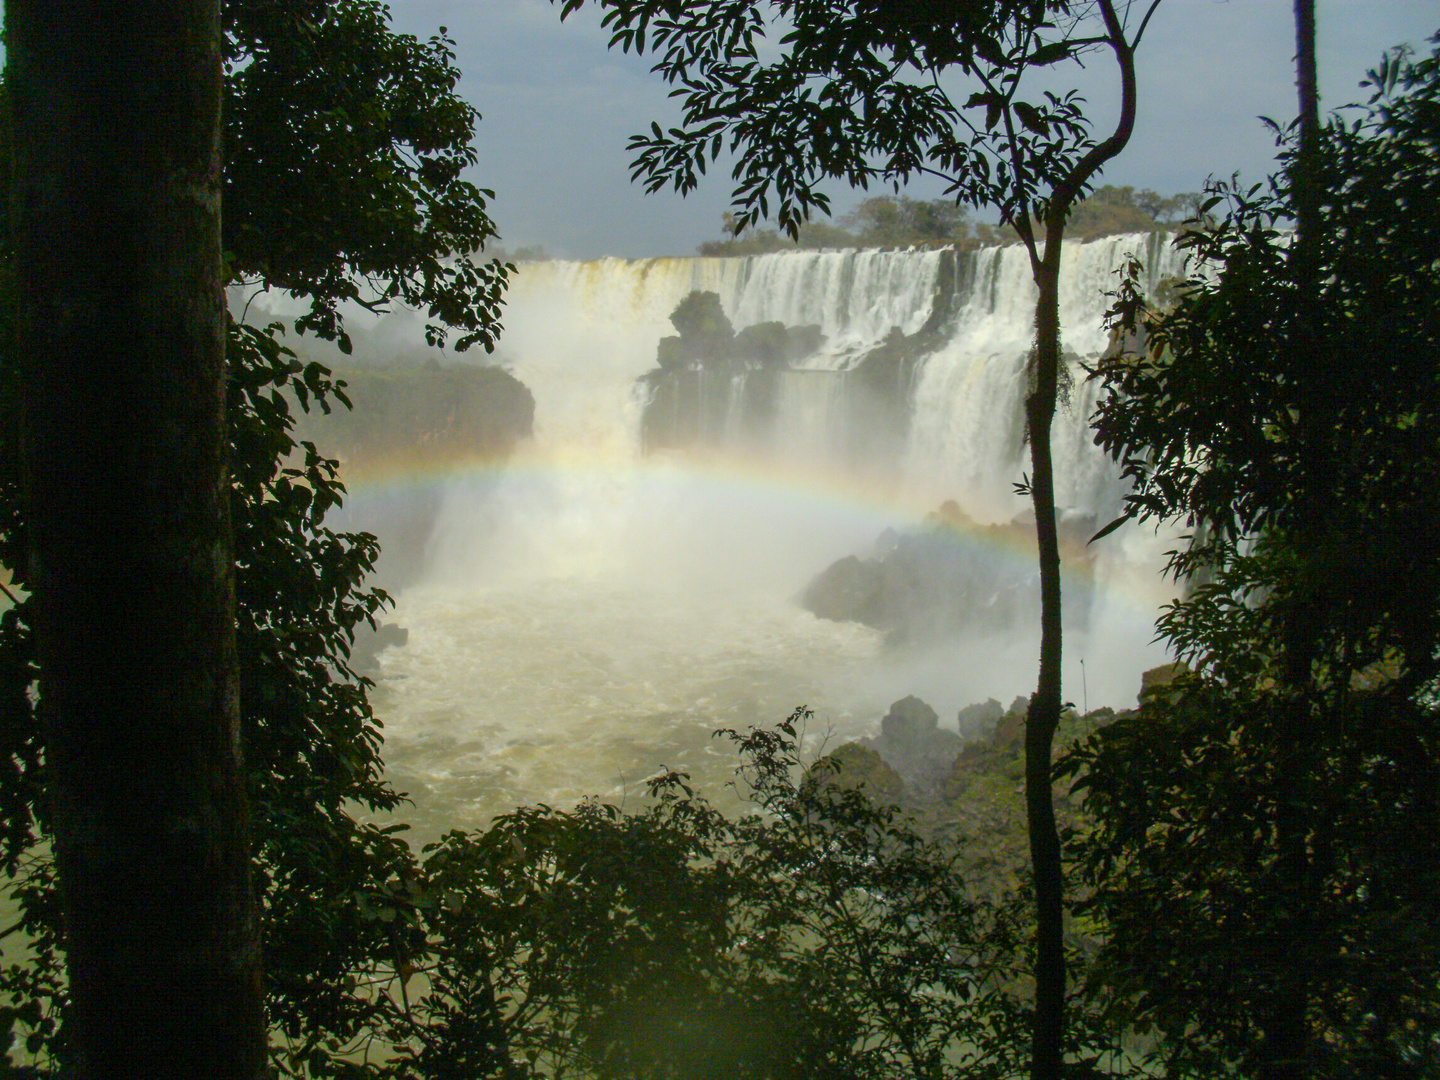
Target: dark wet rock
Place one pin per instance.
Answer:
(775, 345)
(408, 416)
(700, 317)
(949, 577)
(712, 386)
(850, 589)
(1158, 679)
(1009, 730)
(978, 721)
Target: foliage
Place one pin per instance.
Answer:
(311, 742)
(820, 937)
(1266, 836)
(813, 236)
(879, 221)
(1109, 210)
(898, 222)
(1266, 876)
(830, 104)
(344, 147)
(1231, 420)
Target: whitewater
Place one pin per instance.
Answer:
(590, 613)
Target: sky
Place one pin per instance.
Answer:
(558, 107)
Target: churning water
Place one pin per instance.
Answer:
(590, 613)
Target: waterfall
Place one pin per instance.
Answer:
(580, 335)
(593, 610)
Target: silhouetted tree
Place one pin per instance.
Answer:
(121, 331)
(1267, 832)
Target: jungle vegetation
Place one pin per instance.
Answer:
(1253, 878)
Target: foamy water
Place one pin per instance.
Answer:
(591, 615)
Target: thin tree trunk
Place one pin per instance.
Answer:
(1309, 99)
(1043, 716)
(117, 187)
(1044, 713)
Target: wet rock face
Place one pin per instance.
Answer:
(848, 589)
(978, 721)
(365, 652)
(1157, 680)
(418, 415)
(712, 386)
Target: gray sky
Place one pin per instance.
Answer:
(558, 108)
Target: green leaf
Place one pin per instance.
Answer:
(1108, 529)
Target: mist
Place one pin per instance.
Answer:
(628, 578)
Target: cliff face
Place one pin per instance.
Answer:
(425, 415)
(714, 387)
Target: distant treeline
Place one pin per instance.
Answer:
(891, 221)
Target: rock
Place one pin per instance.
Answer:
(775, 345)
(711, 385)
(908, 722)
(412, 415)
(949, 516)
(701, 316)
(853, 767)
(365, 651)
(979, 720)
(672, 354)
(949, 578)
(886, 542)
(1157, 679)
(849, 590)
(1009, 730)
(913, 743)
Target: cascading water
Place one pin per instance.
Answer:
(592, 611)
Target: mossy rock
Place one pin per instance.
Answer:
(853, 767)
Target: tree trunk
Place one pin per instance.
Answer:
(1308, 92)
(117, 188)
(1043, 716)
(1044, 713)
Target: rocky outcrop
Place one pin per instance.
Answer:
(707, 341)
(412, 419)
(368, 644)
(853, 767)
(977, 721)
(913, 743)
(712, 385)
(949, 577)
(849, 590)
(1157, 680)
(422, 414)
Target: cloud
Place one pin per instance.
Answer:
(558, 108)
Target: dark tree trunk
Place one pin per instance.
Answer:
(117, 187)
(1299, 630)
(1043, 717)
(1309, 99)
(1044, 713)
